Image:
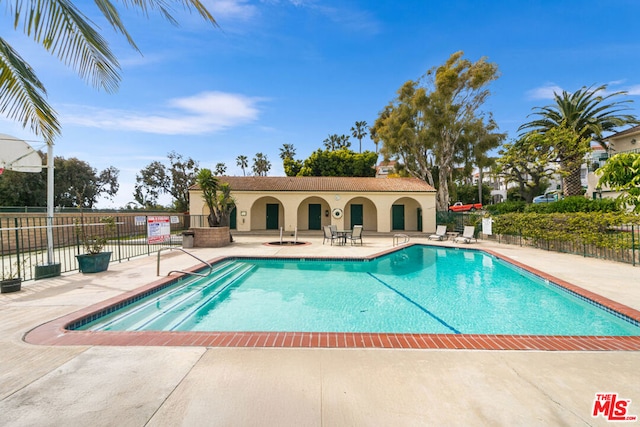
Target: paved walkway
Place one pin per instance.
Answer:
(168, 386)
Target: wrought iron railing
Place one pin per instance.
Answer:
(24, 244)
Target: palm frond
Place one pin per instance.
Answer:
(67, 33)
(22, 95)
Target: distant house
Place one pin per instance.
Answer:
(309, 203)
(627, 141)
(385, 168)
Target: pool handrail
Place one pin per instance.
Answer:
(397, 237)
(182, 271)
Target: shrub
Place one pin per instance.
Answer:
(506, 207)
(575, 204)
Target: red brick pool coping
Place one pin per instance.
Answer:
(56, 332)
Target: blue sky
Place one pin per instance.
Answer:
(295, 71)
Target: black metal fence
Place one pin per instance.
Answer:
(621, 244)
(24, 242)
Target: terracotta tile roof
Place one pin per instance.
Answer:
(630, 131)
(324, 183)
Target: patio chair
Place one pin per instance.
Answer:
(356, 234)
(329, 234)
(467, 235)
(441, 233)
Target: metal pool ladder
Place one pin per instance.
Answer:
(397, 237)
(182, 271)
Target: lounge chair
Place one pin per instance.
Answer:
(355, 235)
(441, 233)
(329, 234)
(467, 235)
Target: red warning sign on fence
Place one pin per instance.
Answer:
(158, 229)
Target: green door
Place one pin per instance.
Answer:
(272, 216)
(419, 219)
(233, 219)
(356, 215)
(397, 217)
(315, 216)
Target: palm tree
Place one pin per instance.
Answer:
(243, 163)
(220, 169)
(287, 151)
(261, 165)
(359, 131)
(332, 142)
(573, 122)
(66, 32)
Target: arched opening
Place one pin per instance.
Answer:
(267, 213)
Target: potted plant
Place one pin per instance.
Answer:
(218, 198)
(11, 280)
(93, 239)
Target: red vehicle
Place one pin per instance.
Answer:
(460, 207)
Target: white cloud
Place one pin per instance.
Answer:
(544, 92)
(633, 90)
(204, 113)
(231, 9)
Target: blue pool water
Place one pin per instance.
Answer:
(420, 289)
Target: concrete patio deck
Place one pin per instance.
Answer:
(162, 386)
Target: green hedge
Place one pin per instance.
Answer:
(603, 230)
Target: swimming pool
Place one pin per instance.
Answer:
(417, 290)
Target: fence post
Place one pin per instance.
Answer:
(633, 246)
(15, 221)
(118, 238)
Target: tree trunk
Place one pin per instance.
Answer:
(572, 183)
(442, 201)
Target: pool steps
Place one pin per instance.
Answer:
(156, 313)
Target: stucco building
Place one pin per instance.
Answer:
(309, 203)
(627, 141)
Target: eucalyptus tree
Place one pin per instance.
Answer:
(65, 31)
(359, 131)
(243, 163)
(573, 122)
(425, 126)
(261, 165)
(156, 179)
(527, 162)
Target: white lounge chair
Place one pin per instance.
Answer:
(441, 233)
(467, 235)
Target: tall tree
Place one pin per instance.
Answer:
(221, 169)
(528, 163)
(287, 151)
(77, 184)
(331, 142)
(573, 122)
(359, 131)
(243, 163)
(426, 124)
(156, 179)
(63, 30)
(261, 165)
